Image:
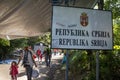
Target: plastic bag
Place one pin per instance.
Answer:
(35, 73)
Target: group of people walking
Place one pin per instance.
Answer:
(46, 54)
(28, 61)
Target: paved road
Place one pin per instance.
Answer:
(4, 70)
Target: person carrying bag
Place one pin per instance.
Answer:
(28, 62)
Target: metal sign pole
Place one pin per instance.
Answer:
(97, 65)
(100, 6)
(67, 52)
(66, 74)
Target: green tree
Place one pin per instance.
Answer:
(114, 6)
(116, 33)
(32, 40)
(4, 42)
(7, 46)
(18, 43)
(45, 39)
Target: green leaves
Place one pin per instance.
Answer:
(45, 39)
(114, 6)
(116, 33)
(4, 42)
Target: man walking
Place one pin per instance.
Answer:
(28, 62)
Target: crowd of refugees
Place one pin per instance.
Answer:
(47, 55)
(28, 56)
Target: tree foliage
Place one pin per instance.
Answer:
(32, 41)
(4, 42)
(18, 43)
(45, 39)
(116, 34)
(114, 6)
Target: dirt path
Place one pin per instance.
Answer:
(44, 71)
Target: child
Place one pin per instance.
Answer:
(14, 70)
(39, 54)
